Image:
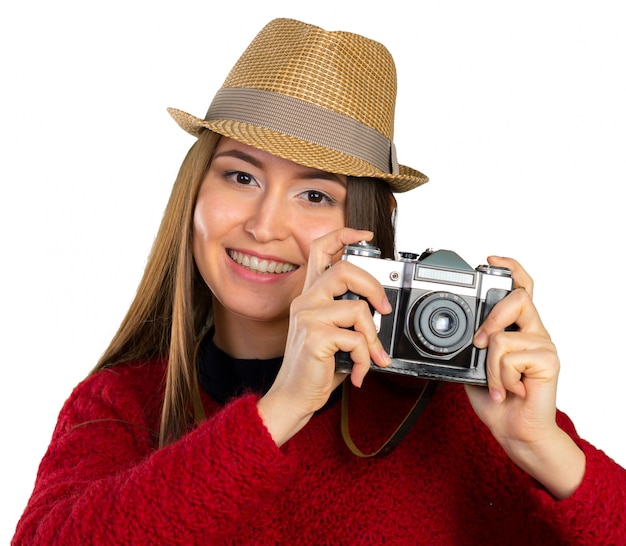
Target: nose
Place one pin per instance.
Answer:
(268, 221)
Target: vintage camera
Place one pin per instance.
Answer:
(438, 301)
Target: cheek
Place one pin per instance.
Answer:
(206, 228)
(210, 218)
(309, 232)
(201, 230)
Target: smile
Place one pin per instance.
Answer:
(260, 265)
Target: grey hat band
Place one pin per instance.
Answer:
(305, 121)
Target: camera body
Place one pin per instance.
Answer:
(438, 302)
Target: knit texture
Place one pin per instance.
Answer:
(102, 480)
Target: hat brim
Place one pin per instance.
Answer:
(299, 151)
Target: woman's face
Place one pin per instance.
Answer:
(254, 222)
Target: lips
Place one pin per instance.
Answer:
(260, 265)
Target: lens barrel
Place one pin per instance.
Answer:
(440, 323)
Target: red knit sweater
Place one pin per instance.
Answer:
(102, 481)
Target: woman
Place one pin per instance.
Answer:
(213, 416)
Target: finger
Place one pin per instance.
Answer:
(513, 366)
(504, 374)
(513, 357)
(327, 250)
(354, 314)
(347, 277)
(516, 308)
(518, 369)
(362, 358)
(359, 371)
(347, 341)
(359, 354)
(355, 330)
(521, 278)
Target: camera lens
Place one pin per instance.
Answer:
(444, 323)
(440, 323)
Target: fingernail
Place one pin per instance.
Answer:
(480, 339)
(385, 357)
(496, 395)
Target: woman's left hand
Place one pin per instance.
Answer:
(519, 407)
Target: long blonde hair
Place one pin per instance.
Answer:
(173, 306)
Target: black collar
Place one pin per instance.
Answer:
(223, 377)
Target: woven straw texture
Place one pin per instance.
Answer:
(350, 77)
(340, 71)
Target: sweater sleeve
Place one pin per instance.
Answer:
(102, 480)
(596, 512)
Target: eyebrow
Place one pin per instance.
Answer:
(308, 173)
(238, 154)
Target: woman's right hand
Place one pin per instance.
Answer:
(319, 326)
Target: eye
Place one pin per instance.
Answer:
(317, 197)
(241, 177)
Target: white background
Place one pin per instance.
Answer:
(515, 110)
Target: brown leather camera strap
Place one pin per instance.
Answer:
(420, 405)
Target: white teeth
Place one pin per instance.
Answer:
(262, 266)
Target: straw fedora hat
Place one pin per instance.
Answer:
(322, 99)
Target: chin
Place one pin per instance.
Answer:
(255, 309)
